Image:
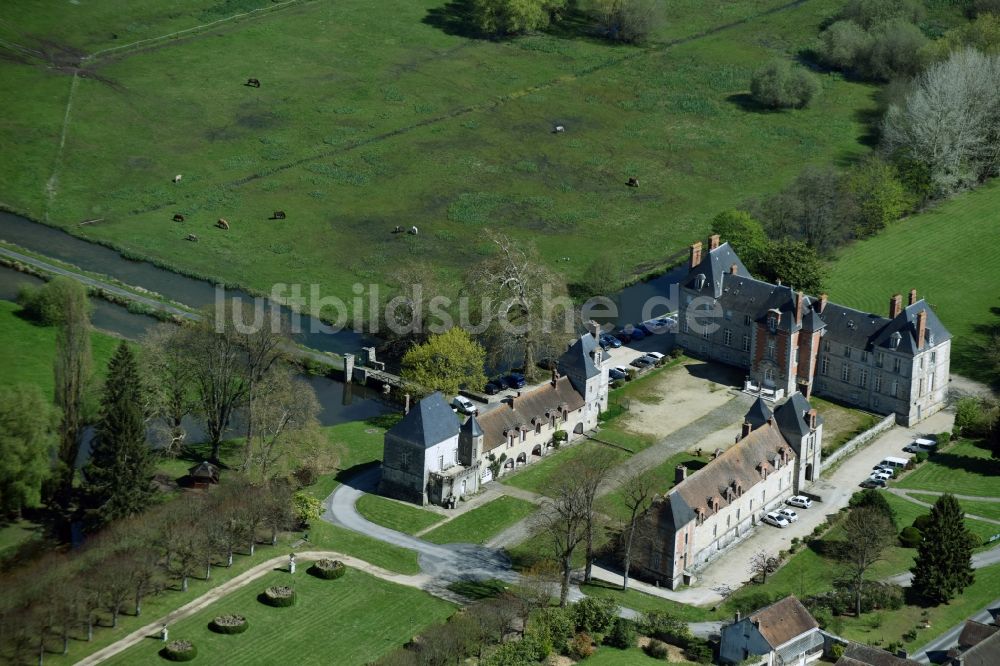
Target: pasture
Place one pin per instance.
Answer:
(371, 115)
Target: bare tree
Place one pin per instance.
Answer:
(565, 519)
(867, 533)
(165, 355)
(287, 419)
(762, 564)
(637, 494)
(262, 349)
(591, 475)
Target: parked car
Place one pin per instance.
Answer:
(656, 355)
(641, 362)
(615, 373)
(623, 337)
(874, 483)
(644, 327)
(492, 388)
(652, 359)
(888, 471)
(463, 405)
(776, 519)
(501, 383)
(637, 334)
(800, 501)
(621, 368)
(894, 462)
(516, 380)
(608, 340)
(788, 515)
(920, 446)
(880, 476)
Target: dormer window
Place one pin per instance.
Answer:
(699, 281)
(894, 340)
(772, 321)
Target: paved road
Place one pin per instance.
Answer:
(934, 651)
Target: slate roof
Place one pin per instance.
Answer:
(984, 653)
(739, 463)
(673, 511)
(429, 423)
(715, 264)
(578, 359)
(783, 620)
(204, 470)
(471, 427)
(759, 413)
(791, 417)
(974, 633)
(518, 412)
(906, 324)
(856, 654)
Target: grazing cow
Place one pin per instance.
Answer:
(397, 230)
(414, 231)
(177, 178)
(178, 217)
(253, 83)
(558, 129)
(278, 215)
(192, 237)
(633, 182)
(222, 224)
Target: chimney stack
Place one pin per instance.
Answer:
(713, 242)
(812, 419)
(921, 328)
(555, 376)
(913, 296)
(733, 269)
(745, 429)
(895, 305)
(822, 303)
(680, 473)
(594, 329)
(799, 299)
(718, 452)
(406, 407)
(739, 616)
(695, 254)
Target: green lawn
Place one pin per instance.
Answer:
(609, 656)
(395, 515)
(537, 476)
(375, 114)
(647, 603)
(907, 511)
(352, 620)
(482, 523)
(27, 351)
(922, 252)
(613, 504)
(963, 467)
(841, 424)
(983, 509)
(323, 535)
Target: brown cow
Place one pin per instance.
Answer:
(253, 83)
(192, 237)
(178, 217)
(222, 224)
(278, 215)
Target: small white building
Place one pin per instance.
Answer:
(782, 634)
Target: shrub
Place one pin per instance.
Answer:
(910, 635)
(279, 596)
(560, 436)
(836, 650)
(666, 627)
(843, 44)
(698, 650)
(919, 457)
(582, 646)
(594, 615)
(554, 626)
(622, 634)
(778, 86)
(631, 21)
(896, 52)
(656, 649)
(910, 537)
(306, 507)
(179, 651)
(922, 522)
(942, 438)
(986, 7)
(328, 569)
(228, 624)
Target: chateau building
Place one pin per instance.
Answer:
(431, 457)
(788, 341)
(776, 455)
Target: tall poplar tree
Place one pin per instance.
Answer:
(944, 557)
(118, 477)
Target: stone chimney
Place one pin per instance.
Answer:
(406, 407)
(713, 242)
(895, 305)
(739, 616)
(594, 329)
(822, 303)
(745, 429)
(680, 473)
(718, 452)
(921, 328)
(695, 254)
(799, 300)
(733, 269)
(555, 376)
(811, 417)
(913, 296)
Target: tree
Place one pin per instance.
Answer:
(873, 499)
(72, 368)
(762, 564)
(943, 567)
(512, 17)
(565, 522)
(950, 122)
(778, 85)
(446, 363)
(879, 195)
(637, 493)
(630, 21)
(46, 304)
(873, 13)
(529, 313)
(590, 476)
(796, 264)
(164, 356)
(745, 234)
(896, 51)
(867, 533)
(27, 442)
(306, 507)
(982, 34)
(118, 477)
(287, 424)
(844, 44)
(604, 276)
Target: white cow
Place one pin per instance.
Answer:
(413, 230)
(177, 178)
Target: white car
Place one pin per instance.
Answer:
(788, 515)
(888, 471)
(880, 476)
(463, 405)
(776, 519)
(920, 446)
(800, 501)
(657, 355)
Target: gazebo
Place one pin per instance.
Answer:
(203, 474)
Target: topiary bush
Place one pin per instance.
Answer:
(179, 651)
(910, 537)
(229, 624)
(328, 569)
(279, 596)
(656, 649)
(622, 634)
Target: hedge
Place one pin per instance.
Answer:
(179, 651)
(229, 624)
(278, 596)
(328, 569)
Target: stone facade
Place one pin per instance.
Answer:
(788, 341)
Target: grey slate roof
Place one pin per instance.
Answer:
(471, 427)
(715, 264)
(906, 324)
(759, 413)
(676, 512)
(578, 360)
(790, 417)
(429, 423)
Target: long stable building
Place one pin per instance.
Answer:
(788, 341)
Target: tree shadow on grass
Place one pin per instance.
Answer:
(455, 18)
(989, 467)
(478, 589)
(746, 102)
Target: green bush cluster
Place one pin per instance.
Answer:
(279, 596)
(778, 85)
(910, 537)
(622, 634)
(229, 624)
(328, 569)
(179, 651)
(875, 39)
(656, 649)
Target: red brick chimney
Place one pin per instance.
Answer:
(822, 303)
(921, 328)
(799, 298)
(713, 242)
(895, 305)
(913, 296)
(733, 269)
(695, 254)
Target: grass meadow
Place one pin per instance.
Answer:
(482, 523)
(376, 114)
(965, 467)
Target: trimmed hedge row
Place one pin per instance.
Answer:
(179, 651)
(328, 569)
(229, 624)
(279, 596)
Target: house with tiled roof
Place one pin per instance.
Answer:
(978, 645)
(430, 457)
(856, 654)
(788, 341)
(776, 455)
(782, 634)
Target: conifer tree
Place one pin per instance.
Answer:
(944, 557)
(117, 479)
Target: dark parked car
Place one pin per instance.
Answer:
(608, 340)
(501, 383)
(491, 388)
(644, 328)
(516, 380)
(641, 362)
(622, 336)
(614, 373)
(637, 334)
